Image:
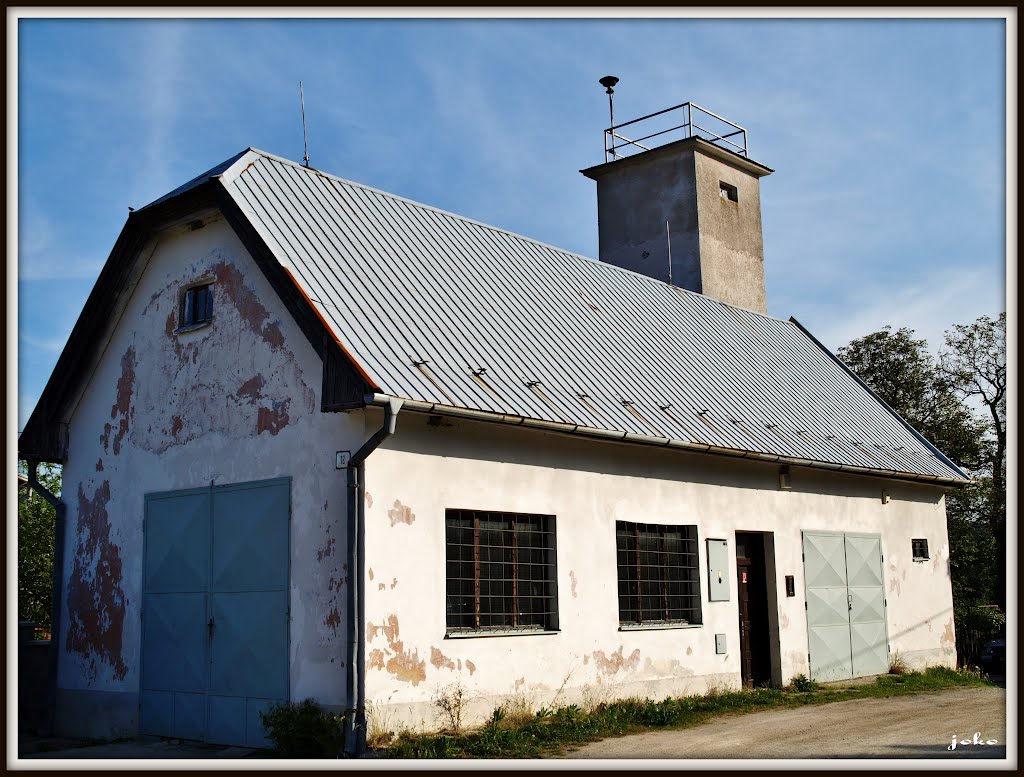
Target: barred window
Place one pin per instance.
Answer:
(659, 580)
(500, 571)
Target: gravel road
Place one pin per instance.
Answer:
(918, 726)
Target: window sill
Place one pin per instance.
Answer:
(921, 560)
(192, 327)
(501, 633)
(658, 626)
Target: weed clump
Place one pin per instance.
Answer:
(304, 730)
(803, 684)
(379, 731)
(451, 701)
(897, 664)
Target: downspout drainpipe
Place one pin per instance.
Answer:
(356, 739)
(60, 510)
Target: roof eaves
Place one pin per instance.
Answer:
(920, 437)
(628, 437)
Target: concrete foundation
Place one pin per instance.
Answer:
(97, 714)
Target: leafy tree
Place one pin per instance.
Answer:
(900, 370)
(974, 359)
(972, 544)
(933, 395)
(35, 548)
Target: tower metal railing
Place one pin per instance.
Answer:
(696, 122)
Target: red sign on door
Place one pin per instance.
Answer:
(744, 578)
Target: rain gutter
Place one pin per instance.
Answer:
(629, 437)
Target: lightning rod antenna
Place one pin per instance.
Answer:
(609, 82)
(305, 143)
(668, 240)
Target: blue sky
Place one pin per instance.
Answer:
(888, 140)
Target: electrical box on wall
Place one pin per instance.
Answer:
(720, 644)
(718, 571)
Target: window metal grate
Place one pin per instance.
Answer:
(919, 549)
(500, 571)
(197, 305)
(659, 580)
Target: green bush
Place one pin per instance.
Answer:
(803, 683)
(304, 730)
(975, 625)
(35, 548)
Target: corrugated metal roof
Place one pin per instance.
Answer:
(213, 172)
(441, 309)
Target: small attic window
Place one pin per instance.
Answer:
(919, 547)
(196, 306)
(728, 192)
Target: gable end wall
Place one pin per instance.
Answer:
(235, 401)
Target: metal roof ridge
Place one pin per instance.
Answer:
(242, 161)
(198, 180)
(590, 262)
(435, 209)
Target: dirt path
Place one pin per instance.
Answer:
(918, 726)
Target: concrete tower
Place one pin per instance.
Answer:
(709, 198)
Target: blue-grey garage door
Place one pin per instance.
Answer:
(215, 611)
(846, 628)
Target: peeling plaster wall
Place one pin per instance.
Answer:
(588, 485)
(237, 400)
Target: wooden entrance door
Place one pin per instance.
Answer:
(743, 575)
(752, 596)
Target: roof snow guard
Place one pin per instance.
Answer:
(458, 317)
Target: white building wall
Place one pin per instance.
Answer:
(588, 485)
(235, 401)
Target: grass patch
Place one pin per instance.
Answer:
(548, 732)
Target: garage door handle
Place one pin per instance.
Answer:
(210, 627)
(849, 603)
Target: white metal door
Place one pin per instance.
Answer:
(846, 629)
(868, 641)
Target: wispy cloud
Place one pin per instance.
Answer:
(45, 252)
(929, 305)
(886, 207)
(52, 345)
(163, 87)
(26, 404)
